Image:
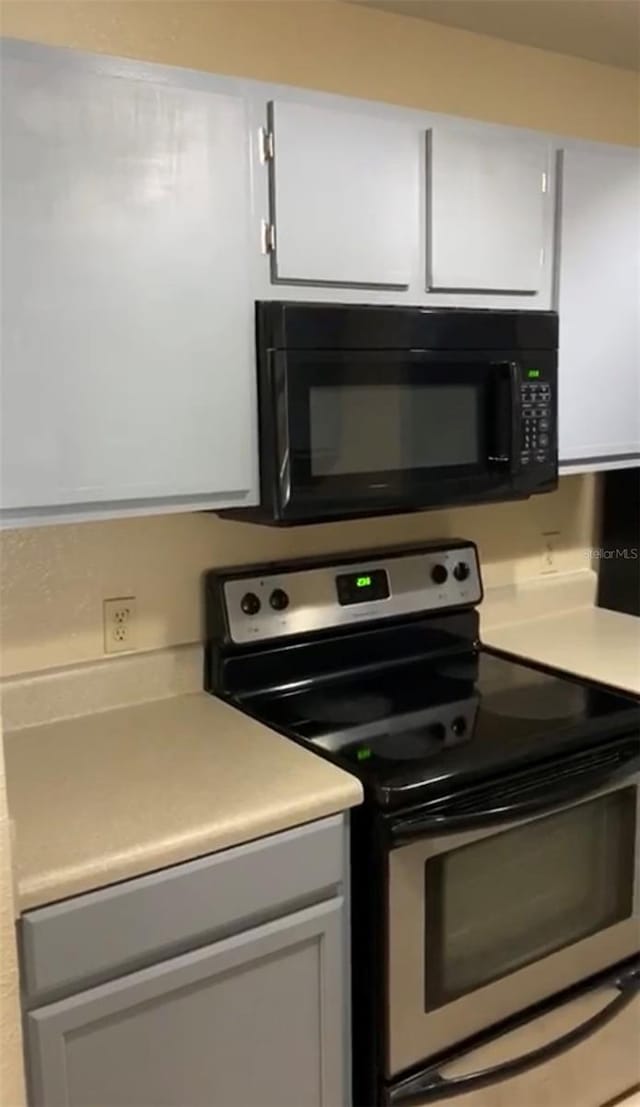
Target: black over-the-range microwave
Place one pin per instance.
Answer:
(367, 410)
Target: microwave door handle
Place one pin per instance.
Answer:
(508, 418)
(515, 407)
(543, 800)
(432, 1086)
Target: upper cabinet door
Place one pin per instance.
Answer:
(344, 196)
(599, 304)
(487, 190)
(127, 310)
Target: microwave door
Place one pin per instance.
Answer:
(367, 432)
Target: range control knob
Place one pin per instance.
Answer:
(250, 603)
(461, 570)
(279, 599)
(439, 574)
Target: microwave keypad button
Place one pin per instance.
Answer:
(543, 440)
(250, 603)
(541, 455)
(527, 412)
(543, 425)
(439, 574)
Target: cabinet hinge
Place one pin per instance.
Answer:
(544, 182)
(267, 147)
(268, 237)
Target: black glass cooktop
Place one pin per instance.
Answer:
(424, 726)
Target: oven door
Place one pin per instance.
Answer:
(359, 433)
(487, 921)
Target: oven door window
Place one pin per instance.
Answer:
(510, 899)
(388, 425)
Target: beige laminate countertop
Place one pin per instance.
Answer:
(589, 642)
(101, 798)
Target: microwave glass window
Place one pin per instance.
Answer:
(508, 900)
(388, 428)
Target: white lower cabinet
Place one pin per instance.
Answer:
(599, 306)
(257, 1018)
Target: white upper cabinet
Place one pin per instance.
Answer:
(127, 314)
(599, 305)
(344, 196)
(487, 198)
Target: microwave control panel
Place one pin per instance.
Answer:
(538, 434)
(321, 597)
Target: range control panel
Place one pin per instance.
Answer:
(538, 435)
(302, 600)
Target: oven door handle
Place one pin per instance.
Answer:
(432, 1086)
(544, 800)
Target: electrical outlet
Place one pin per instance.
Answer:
(549, 552)
(119, 624)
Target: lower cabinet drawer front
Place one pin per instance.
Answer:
(590, 1074)
(103, 934)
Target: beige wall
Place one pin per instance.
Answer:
(342, 48)
(54, 579)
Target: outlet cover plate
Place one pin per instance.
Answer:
(119, 622)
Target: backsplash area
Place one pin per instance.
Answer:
(55, 579)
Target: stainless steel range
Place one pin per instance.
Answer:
(495, 882)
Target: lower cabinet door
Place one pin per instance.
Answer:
(256, 1020)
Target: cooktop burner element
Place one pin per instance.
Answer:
(408, 745)
(395, 688)
(343, 710)
(558, 700)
